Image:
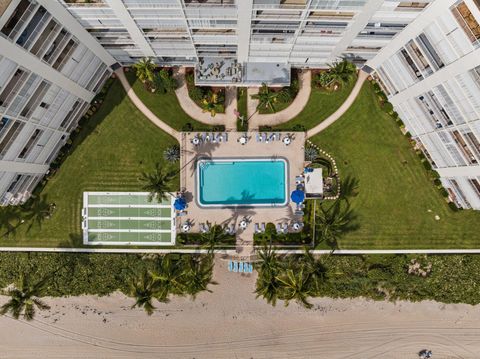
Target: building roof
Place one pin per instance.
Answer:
(314, 182)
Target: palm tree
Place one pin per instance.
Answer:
(24, 298)
(314, 269)
(145, 70)
(157, 183)
(342, 71)
(167, 278)
(142, 288)
(37, 210)
(216, 234)
(10, 219)
(209, 104)
(311, 153)
(268, 268)
(294, 286)
(172, 154)
(266, 98)
(164, 82)
(197, 273)
(332, 222)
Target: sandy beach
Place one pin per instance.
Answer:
(231, 323)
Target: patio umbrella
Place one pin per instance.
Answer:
(180, 204)
(297, 196)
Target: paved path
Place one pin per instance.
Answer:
(362, 76)
(144, 109)
(256, 120)
(194, 111)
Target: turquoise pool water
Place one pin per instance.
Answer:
(242, 182)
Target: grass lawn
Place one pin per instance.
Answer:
(165, 106)
(114, 146)
(321, 104)
(242, 101)
(397, 203)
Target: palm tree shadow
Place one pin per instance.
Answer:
(74, 240)
(204, 150)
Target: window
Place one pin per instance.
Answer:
(44, 105)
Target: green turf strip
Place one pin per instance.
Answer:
(129, 237)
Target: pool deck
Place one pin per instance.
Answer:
(233, 215)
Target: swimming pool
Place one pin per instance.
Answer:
(239, 182)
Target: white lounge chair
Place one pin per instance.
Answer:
(279, 228)
(257, 228)
(262, 228)
(285, 227)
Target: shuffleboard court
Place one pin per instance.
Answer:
(127, 218)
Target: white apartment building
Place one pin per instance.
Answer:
(262, 35)
(50, 70)
(431, 73)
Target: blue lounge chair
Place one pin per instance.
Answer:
(230, 266)
(240, 267)
(250, 268)
(235, 267)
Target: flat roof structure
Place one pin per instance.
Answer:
(314, 183)
(229, 72)
(127, 218)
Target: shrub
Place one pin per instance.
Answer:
(408, 134)
(265, 128)
(376, 87)
(453, 206)
(400, 123)
(218, 128)
(299, 128)
(434, 174)
(188, 127)
(323, 79)
(437, 182)
(388, 107)
(427, 165)
(196, 93)
(444, 192)
(395, 115)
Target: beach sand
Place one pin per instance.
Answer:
(231, 323)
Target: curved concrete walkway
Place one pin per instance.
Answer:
(144, 109)
(194, 111)
(362, 76)
(256, 120)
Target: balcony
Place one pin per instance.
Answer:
(467, 22)
(207, 3)
(85, 3)
(4, 5)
